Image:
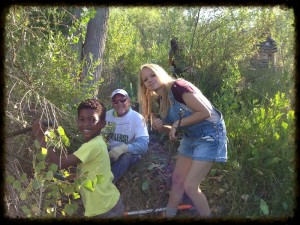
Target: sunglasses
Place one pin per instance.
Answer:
(121, 100)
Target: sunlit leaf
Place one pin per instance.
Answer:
(76, 195)
(284, 125)
(44, 151)
(65, 140)
(291, 115)
(66, 173)
(51, 134)
(49, 210)
(89, 185)
(276, 135)
(61, 131)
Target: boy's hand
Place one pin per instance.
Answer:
(38, 130)
(117, 151)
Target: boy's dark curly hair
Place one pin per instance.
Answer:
(93, 104)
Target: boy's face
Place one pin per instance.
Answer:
(89, 123)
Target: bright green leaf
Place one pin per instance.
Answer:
(89, 185)
(284, 125)
(51, 134)
(44, 151)
(61, 131)
(291, 115)
(66, 173)
(65, 140)
(76, 195)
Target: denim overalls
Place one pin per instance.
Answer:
(207, 138)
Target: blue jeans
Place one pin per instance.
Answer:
(124, 162)
(116, 212)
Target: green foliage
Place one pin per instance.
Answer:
(53, 67)
(264, 152)
(50, 191)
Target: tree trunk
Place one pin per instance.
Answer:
(95, 42)
(79, 46)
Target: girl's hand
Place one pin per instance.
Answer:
(157, 123)
(172, 134)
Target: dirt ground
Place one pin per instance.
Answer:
(146, 185)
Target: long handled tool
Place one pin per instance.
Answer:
(27, 129)
(139, 212)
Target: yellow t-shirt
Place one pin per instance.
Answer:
(96, 164)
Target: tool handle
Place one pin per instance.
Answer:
(139, 212)
(27, 129)
(184, 206)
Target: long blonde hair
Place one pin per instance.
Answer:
(147, 98)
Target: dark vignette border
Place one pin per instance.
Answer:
(294, 4)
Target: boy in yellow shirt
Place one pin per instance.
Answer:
(92, 159)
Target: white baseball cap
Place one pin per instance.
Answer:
(119, 91)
